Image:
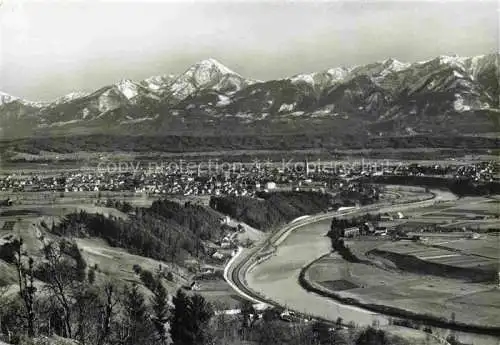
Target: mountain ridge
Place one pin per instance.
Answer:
(215, 61)
(209, 93)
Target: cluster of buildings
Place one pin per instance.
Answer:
(483, 171)
(386, 225)
(367, 228)
(157, 183)
(243, 180)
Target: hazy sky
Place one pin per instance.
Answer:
(50, 48)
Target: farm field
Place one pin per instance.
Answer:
(483, 254)
(478, 214)
(113, 263)
(488, 246)
(47, 162)
(438, 296)
(460, 277)
(79, 198)
(29, 219)
(220, 294)
(380, 282)
(117, 263)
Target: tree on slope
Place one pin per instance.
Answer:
(161, 313)
(137, 323)
(372, 336)
(27, 289)
(189, 322)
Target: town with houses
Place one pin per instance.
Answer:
(242, 181)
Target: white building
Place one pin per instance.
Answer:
(270, 185)
(218, 256)
(351, 232)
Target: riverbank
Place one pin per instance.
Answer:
(427, 319)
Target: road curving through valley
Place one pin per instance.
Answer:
(269, 272)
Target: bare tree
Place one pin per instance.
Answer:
(86, 298)
(3, 302)
(27, 288)
(60, 283)
(107, 313)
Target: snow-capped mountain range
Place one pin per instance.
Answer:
(446, 90)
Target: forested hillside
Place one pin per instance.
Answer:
(166, 231)
(273, 209)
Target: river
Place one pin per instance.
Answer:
(277, 279)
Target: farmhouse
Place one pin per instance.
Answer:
(191, 286)
(351, 232)
(380, 231)
(226, 243)
(218, 256)
(386, 217)
(287, 316)
(225, 220)
(345, 208)
(270, 185)
(368, 227)
(207, 270)
(473, 235)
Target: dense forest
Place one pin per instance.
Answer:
(165, 231)
(272, 209)
(185, 143)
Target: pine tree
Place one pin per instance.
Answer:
(201, 313)
(180, 319)
(161, 312)
(247, 310)
(27, 290)
(137, 318)
(190, 320)
(372, 336)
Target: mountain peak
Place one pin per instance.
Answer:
(387, 89)
(6, 98)
(206, 74)
(124, 82)
(395, 65)
(453, 60)
(71, 96)
(127, 87)
(390, 61)
(158, 82)
(212, 63)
